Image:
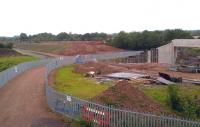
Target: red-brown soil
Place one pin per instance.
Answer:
(87, 47)
(23, 102)
(102, 67)
(154, 68)
(126, 96)
(8, 52)
(68, 48)
(148, 68)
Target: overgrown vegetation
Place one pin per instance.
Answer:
(7, 62)
(193, 51)
(83, 123)
(183, 100)
(6, 45)
(76, 84)
(188, 105)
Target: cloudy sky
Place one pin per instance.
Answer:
(110, 16)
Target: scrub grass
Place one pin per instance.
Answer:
(160, 93)
(69, 82)
(7, 62)
(48, 47)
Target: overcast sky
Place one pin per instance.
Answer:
(110, 16)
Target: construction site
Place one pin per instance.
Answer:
(137, 83)
(92, 63)
(99, 78)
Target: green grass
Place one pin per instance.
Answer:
(76, 84)
(48, 47)
(160, 93)
(7, 62)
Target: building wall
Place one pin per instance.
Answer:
(149, 57)
(186, 42)
(165, 54)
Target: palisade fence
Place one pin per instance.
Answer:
(10, 73)
(99, 115)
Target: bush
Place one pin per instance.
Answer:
(198, 111)
(174, 99)
(189, 106)
(6, 45)
(84, 123)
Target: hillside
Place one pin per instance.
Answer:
(68, 47)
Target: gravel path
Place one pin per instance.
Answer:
(23, 103)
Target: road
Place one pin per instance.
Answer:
(23, 102)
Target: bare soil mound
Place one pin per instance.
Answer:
(126, 96)
(87, 47)
(102, 67)
(68, 48)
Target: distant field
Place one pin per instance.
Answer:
(7, 62)
(76, 84)
(48, 47)
(68, 48)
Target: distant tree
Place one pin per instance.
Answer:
(76, 37)
(63, 37)
(1, 45)
(176, 34)
(86, 37)
(42, 37)
(6, 45)
(122, 40)
(23, 37)
(147, 39)
(94, 37)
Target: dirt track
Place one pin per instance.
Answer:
(23, 103)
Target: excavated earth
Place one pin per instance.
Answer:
(124, 95)
(87, 47)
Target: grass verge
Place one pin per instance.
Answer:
(7, 62)
(76, 84)
(160, 93)
(48, 47)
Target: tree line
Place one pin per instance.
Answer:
(125, 40)
(63, 36)
(147, 39)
